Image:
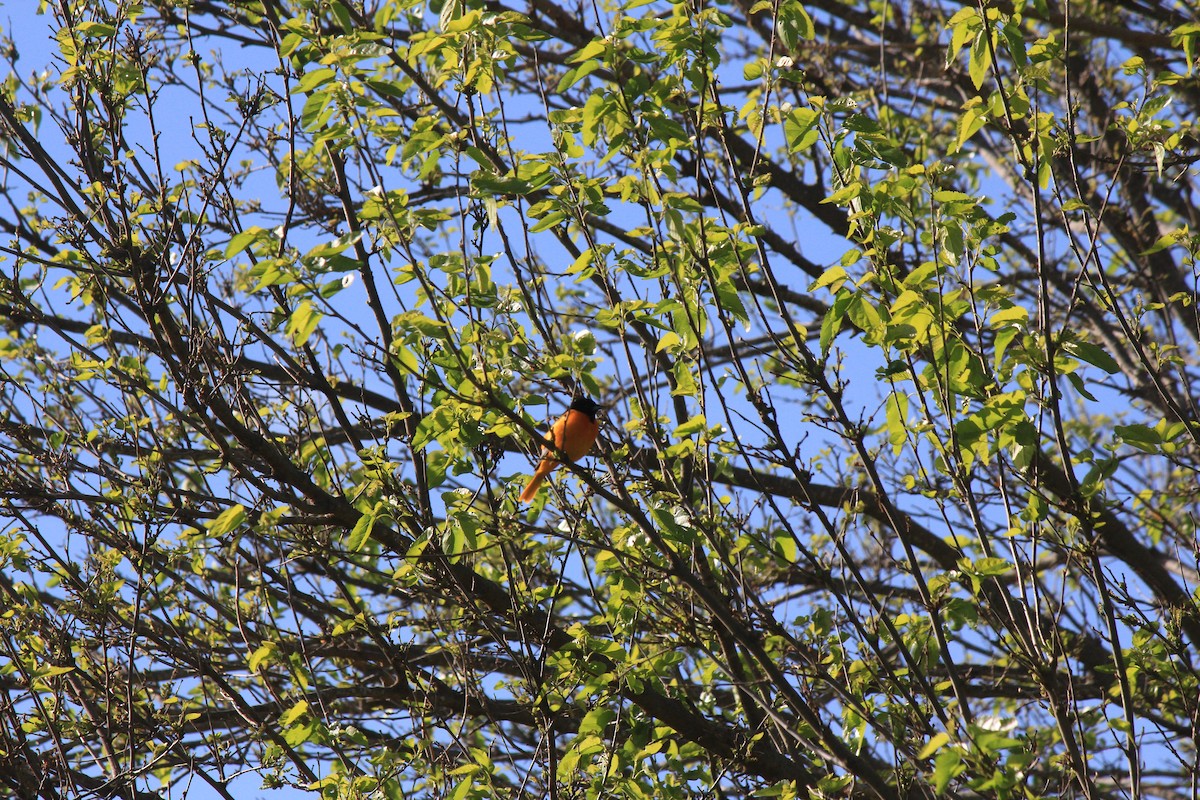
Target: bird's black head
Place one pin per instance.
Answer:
(585, 404)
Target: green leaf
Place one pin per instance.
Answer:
(831, 325)
(299, 734)
(1092, 354)
(730, 300)
(963, 25)
(989, 567)
(844, 195)
(896, 415)
(672, 529)
(265, 651)
(303, 323)
(935, 744)
(231, 518)
(1012, 315)
(794, 25)
(94, 30)
(1143, 437)
(865, 316)
(833, 277)
(294, 713)
(490, 183)
(576, 74)
(970, 123)
(317, 77)
(242, 240)
(1188, 38)
(595, 721)
(583, 262)
(800, 128)
(785, 547)
(426, 326)
(548, 221)
(50, 671)
(362, 530)
(591, 50)
(1015, 39)
(459, 539)
(693, 425)
(980, 61)
(946, 767)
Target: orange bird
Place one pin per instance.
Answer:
(573, 433)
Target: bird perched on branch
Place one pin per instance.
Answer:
(573, 434)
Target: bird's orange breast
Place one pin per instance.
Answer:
(575, 433)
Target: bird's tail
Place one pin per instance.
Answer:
(535, 483)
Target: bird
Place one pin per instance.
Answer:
(573, 433)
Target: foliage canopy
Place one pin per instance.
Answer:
(894, 306)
